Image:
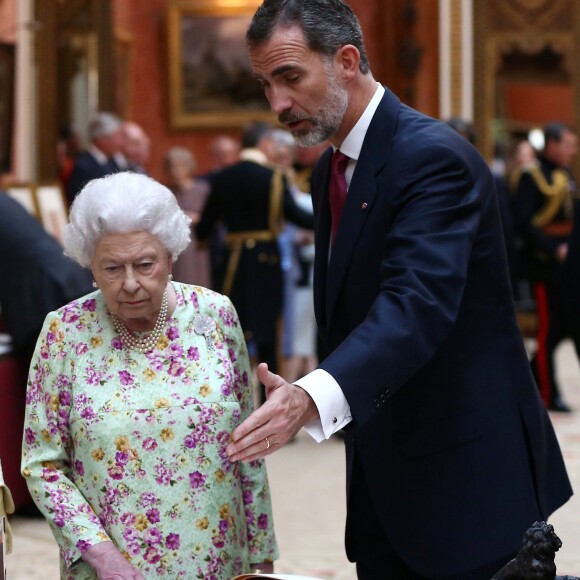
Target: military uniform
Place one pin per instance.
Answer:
(251, 200)
(543, 211)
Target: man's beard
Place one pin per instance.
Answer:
(328, 119)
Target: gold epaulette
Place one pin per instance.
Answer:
(554, 193)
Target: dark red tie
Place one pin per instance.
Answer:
(337, 188)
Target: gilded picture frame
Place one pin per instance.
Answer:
(210, 81)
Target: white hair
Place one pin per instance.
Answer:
(122, 203)
(104, 124)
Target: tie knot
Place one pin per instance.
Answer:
(339, 162)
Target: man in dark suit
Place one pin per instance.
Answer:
(451, 455)
(102, 157)
(35, 276)
(251, 200)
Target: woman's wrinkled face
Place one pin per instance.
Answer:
(132, 271)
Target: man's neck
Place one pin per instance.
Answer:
(361, 92)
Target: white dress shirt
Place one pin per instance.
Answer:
(333, 408)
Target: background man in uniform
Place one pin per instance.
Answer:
(426, 370)
(251, 200)
(543, 211)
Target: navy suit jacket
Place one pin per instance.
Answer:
(415, 307)
(85, 168)
(35, 276)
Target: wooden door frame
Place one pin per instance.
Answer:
(52, 17)
(558, 25)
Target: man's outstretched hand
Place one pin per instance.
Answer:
(286, 410)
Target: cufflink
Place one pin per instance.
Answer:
(334, 420)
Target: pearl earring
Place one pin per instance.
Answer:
(95, 285)
(170, 277)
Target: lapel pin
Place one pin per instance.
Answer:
(364, 205)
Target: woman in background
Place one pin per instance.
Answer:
(193, 266)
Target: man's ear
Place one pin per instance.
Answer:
(348, 60)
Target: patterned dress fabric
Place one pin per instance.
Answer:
(132, 447)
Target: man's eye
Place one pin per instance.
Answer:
(145, 265)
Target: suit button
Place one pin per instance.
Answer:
(250, 244)
(262, 257)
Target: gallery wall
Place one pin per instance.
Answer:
(142, 28)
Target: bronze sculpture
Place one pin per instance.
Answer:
(535, 560)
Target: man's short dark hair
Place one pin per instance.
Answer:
(327, 25)
(253, 133)
(555, 131)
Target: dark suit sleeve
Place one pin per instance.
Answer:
(426, 254)
(210, 215)
(77, 180)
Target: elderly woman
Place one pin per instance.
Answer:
(132, 395)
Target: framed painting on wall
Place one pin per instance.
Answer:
(210, 79)
(52, 209)
(6, 105)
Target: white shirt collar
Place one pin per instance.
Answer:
(353, 142)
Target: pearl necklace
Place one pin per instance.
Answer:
(146, 343)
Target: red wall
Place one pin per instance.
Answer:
(539, 104)
(144, 22)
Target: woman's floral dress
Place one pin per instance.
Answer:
(132, 447)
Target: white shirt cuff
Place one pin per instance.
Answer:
(333, 408)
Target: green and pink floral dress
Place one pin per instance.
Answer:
(132, 447)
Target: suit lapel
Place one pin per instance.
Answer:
(359, 202)
(361, 195)
(321, 237)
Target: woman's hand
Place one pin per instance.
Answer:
(109, 563)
